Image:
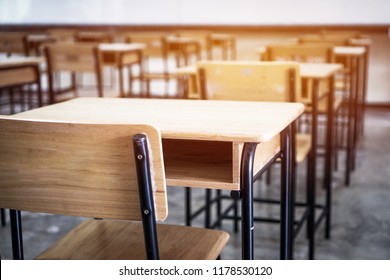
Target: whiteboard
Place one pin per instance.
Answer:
(196, 12)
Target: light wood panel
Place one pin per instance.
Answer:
(203, 139)
(180, 119)
(72, 57)
(120, 240)
(76, 169)
(251, 81)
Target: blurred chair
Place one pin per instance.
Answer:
(17, 77)
(62, 34)
(13, 43)
(71, 58)
(93, 37)
(113, 174)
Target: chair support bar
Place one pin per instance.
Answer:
(146, 195)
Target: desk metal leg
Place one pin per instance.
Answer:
(16, 234)
(357, 109)
(351, 121)
(287, 203)
(3, 221)
(328, 159)
(312, 172)
(246, 180)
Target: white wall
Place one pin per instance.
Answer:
(246, 12)
(240, 12)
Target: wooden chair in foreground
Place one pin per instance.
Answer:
(71, 58)
(111, 172)
(260, 81)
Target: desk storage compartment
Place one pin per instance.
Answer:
(211, 164)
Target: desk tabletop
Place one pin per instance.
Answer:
(349, 51)
(121, 47)
(319, 70)
(21, 61)
(41, 38)
(233, 121)
(360, 41)
(338, 50)
(182, 40)
(308, 70)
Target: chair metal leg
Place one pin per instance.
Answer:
(3, 220)
(188, 208)
(246, 180)
(207, 213)
(287, 204)
(16, 234)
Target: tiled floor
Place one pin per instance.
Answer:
(361, 212)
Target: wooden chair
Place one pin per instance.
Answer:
(72, 58)
(314, 53)
(111, 172)
(13, 43)
(17, 76)
(62, 34)
(256, 81)
(93, 37)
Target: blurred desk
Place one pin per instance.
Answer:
(36, 41)
(226, 42)
(356, 100)
(19, 71)
(120, 55)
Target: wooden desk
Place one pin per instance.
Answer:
(36, 41)
(207, 144)
(320, 73)
(356, 101)
(18, 71)
(226, 42)
(317, 73)
(120, 55)
(184, 47)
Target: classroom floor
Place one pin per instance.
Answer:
(360, 220)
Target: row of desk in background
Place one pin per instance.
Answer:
(243, 134)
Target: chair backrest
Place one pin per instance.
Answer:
(62, 35)
(340, 40)
(93, 37)
(72, 57)
(76, 169)
(13, 43)
(250, 81)
(301, 53)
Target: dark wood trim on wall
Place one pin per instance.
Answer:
(216, 28)
(378, 106)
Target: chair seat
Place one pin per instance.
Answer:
(123, 240)
(303, 146)
(323, 105)
(162, 75)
